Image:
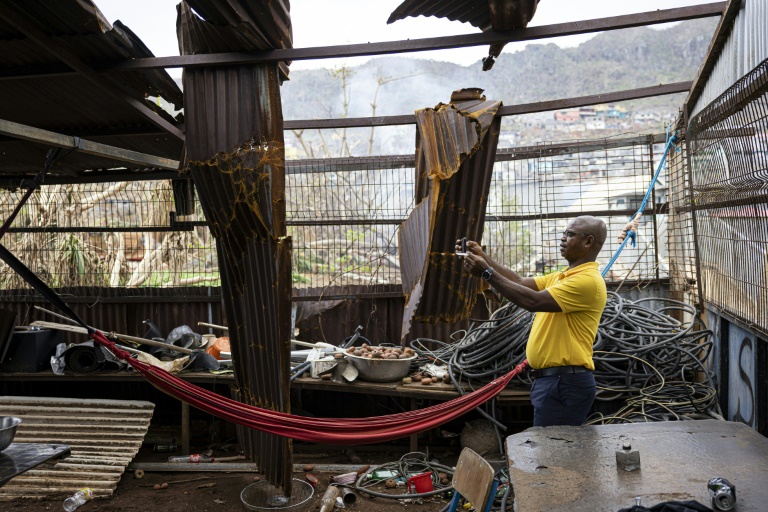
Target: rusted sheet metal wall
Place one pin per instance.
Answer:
(109, 310)
(745, 47)
(381, 318)
(104, 436)
(236, 155)
(237, 25)
(455, 149)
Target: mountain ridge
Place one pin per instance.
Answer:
(610, 61)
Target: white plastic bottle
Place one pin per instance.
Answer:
(77, 499)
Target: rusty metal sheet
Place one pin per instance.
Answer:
(483, 14)
(71, 104)
(120, 310)
(104, 436)
(455, 152)
(235, 152)
(739, 45)
(238, 25)
(487, 15)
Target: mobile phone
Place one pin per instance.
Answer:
(463, 251)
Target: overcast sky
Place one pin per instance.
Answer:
(334, 22)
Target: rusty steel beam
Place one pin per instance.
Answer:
(426, 44)
(69, 58)
(566, 148)
(510, 110)
(32, 134)
(596, 99)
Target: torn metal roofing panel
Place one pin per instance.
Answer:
(487, 15)
(235, 152)
(34, 36)
(237, 26)
(104, 436)
(455, 150)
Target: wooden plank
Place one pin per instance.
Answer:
(473, 478)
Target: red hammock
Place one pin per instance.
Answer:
(350, 431)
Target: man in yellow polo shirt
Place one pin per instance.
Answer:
(569, 305)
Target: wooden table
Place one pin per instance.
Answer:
(413, 391)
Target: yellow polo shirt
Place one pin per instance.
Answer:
(566, 338)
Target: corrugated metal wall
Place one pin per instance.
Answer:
(744, 49)
(455, 151)
(236, 155)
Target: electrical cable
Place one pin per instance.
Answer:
(409, 464)
(648, 353)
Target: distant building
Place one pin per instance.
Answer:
(568, 116)
(645, 117)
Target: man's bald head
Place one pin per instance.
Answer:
(593, 226)
(590, 225)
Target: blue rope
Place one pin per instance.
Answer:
(631, 235)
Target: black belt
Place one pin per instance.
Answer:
(557, 370)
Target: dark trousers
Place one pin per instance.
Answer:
(563, 399)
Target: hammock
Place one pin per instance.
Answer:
(345, 431)
(349, 431)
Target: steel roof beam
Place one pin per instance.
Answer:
(426, 44)
(511, 110)
(32, 134)
(47, 43)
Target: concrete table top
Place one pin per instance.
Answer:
(574, 468)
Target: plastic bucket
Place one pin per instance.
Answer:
(421, 482)
(219, 346)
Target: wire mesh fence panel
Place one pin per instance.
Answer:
(106, 235)
(683, 275)
(343, 215)
(371, 189)
(347, 255)
(728, 144)
(534, 197)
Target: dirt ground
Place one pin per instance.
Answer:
(219, 492)
(209, 492)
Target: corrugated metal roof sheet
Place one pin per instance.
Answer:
(235, 152)
(104, 436)
(236, 25)
(483, 14)
(745, 48)
(455, 151)
(70, 103)
(486, 15)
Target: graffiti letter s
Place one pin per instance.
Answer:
(746, 389)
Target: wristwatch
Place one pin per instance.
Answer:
(487, 273)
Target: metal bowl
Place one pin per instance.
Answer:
(8, 426)
(380, 370)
